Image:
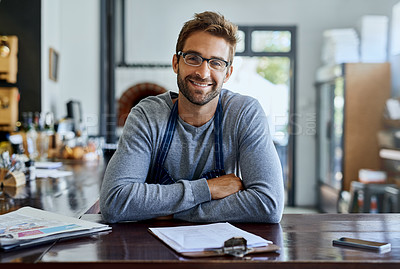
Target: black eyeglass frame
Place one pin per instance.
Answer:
(183, 54)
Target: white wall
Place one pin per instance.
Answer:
(72, 27)
(395, 50)
(51, 38)
(153, 27)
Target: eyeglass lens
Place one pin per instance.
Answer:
(196, 60)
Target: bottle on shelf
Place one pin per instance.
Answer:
(31, 137)
(360, 201)
(374, 205)
(43, 138)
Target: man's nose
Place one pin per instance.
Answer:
(203, 70)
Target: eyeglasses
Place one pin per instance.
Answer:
(196, 60)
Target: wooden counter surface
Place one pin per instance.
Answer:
(305, 239)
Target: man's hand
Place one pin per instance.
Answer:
(224, 186)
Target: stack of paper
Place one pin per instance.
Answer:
(52, 173)
(48, 170)
(374, 36)
(390, 154)
(29, 226)
(393, 108)
(340, 46)
(371, 176)
(197, 238)
(48, 165)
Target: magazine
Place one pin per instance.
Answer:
(29, 226)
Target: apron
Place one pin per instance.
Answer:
(160, 175)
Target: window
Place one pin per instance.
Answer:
(270, 41)
(264, 67)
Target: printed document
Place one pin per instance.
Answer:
(196, 238)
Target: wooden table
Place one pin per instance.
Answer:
(70, 195)
(305, 241)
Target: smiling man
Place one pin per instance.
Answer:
(203, 155)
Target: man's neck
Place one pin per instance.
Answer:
(196, 115)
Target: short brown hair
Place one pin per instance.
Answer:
(213, 23)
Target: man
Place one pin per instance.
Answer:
(182, 156)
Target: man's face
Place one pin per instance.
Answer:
(200, 84)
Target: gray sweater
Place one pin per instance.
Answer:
(248, 152)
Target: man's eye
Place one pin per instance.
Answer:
(217, 63)
(192, 58)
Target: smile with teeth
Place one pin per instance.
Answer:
(200, 84)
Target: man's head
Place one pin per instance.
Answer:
(206, 45)
(212, 23)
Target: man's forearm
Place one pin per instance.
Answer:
(131, 201)
(244, 206)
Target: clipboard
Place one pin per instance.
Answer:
(213, 253)
(235, 246)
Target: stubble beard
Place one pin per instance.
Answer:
(190, 95)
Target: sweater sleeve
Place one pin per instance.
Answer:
(262, 199)
(125, 196)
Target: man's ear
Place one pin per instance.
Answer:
(175, 63)
(228, 73)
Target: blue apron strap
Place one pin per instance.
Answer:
(219, 154)
(166, 142)
(219, 169)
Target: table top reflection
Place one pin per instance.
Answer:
(304, 240)
(71, 195)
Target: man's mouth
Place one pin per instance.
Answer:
(201, 84)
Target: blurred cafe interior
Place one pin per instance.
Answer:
(327, 74)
